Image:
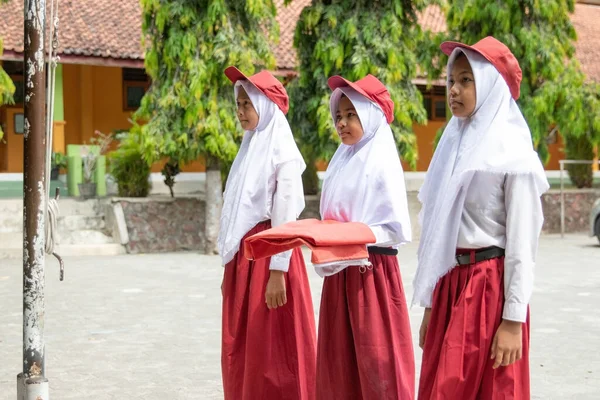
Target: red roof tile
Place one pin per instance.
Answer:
(111, 29)
(586, 20)
(433, 19)
(96, 28)
(287, 17)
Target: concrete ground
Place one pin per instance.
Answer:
(148, 326)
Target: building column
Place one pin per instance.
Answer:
(58, 118)
(86, 86)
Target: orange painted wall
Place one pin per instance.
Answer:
(72, 103)
(107, 101)
(426, 136)
(425, 139)
(93, 101)
(557, 153)
(93, 97)
(13, 142)
(196, 166)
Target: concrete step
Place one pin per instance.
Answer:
(11, 213)
(71, 230)
(83, 237)
(70, 223)
(78, 238)
(89, 208)
(79, 250)
(107, 249)
(81, 226)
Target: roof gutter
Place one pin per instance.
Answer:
(11, 55)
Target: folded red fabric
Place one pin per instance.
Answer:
(330, 241)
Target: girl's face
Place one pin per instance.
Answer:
(461, 88)
(246, 112)
(347, 123)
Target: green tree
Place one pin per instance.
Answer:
(354, 38)
(7, 88)
(584, 132)
(189, 110)
(541, 35)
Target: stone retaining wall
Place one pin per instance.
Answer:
(158, 224)
(162, 224)
(578, 205)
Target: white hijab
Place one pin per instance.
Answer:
(364, 182)
(494, 140)
(248, 197)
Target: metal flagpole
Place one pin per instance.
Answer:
(32, 384)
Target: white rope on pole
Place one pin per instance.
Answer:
(51, 205)
(51, 225)
(50, 96)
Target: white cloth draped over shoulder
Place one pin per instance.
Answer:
(495, 140)
(265, 177)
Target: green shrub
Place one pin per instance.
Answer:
(580, 148)
(128, 168)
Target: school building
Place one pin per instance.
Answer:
(100, 80)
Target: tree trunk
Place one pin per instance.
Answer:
(170, 171)
(214, 202)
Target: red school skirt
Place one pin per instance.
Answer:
(466, 312)
(365, 349)
(267, 354)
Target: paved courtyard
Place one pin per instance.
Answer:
(147, 326)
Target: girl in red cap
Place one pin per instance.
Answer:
(365, 349)
(269, 335)
(481, 220)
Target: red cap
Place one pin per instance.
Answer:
(266, 83)
(371, 88)
(499, 55)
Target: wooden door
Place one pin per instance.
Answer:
(13, 140)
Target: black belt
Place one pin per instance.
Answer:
(386, 251)
(479, 255)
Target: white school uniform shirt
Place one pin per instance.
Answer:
(508, 216)
(288, 197)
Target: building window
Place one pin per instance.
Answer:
(427, 105)
(135, 85)
(440, 108)
(434, 102)
(19, 123)
(19, 95)
(16, 71)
